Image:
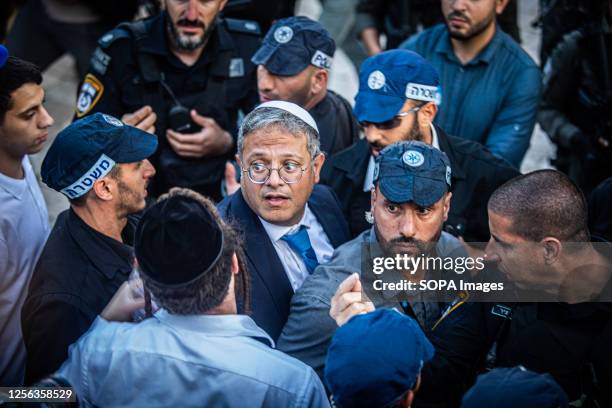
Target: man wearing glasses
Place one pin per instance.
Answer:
(290, 225)
(399, 95)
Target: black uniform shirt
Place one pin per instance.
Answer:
(125, 74)
(76, 275)
(338, 128)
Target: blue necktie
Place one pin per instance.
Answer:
(300, 243)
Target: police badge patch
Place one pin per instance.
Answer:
(89, 95)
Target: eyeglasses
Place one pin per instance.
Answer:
(391, 123)
(290, 173)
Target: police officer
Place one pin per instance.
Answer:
(184, 75)
(293, 66)
(576, 106)
(101, 166)
(397, 100)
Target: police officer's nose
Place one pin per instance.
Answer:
(191, 13)
(407, 225)
(264, 79)
(149, 169)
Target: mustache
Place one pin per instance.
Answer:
(458, 14)
(406, 240)
(188, 23)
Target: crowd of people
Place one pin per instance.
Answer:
(226, 209)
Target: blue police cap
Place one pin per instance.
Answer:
(387, 79)
(515, 387)
(412, 172)
(292, 44)
(375, 358)
(88, 149)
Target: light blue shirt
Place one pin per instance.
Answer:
(187, 361)
(493, 99)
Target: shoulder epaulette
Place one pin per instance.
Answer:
(242, 26)
(115, 34)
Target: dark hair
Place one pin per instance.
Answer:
(13, 75)
(544, 203)
(208, 291)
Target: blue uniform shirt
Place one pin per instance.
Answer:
(492, 99)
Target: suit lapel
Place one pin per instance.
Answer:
(263, 256)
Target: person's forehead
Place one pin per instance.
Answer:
(275, 140)
(26, 96)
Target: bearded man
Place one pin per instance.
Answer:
(184, 75)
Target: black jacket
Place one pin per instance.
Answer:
(77, 273)
(476, 174)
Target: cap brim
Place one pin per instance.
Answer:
(419, 190)
(277, 63)
(374, 107)
(136, 145)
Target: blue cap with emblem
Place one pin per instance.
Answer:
(412, 172)
(387, 79)
(88, 149)
(375, 358)
(515, 387)
(292, 44)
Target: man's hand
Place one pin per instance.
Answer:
(122, 305)
(210, 141)
(144, 119)
(369, 37)
(349, 301)
(231, 181)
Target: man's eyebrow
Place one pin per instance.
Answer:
(496, 239)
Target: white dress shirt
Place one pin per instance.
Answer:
(292, 262)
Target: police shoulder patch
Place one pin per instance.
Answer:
(90, 93)
(242, 26)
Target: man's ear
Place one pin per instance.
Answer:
(500, 5)
(105, 188)
(318, 82)
(317, 165)
(162, 4)
(222, 5)
(447, 203)
(552, 250)
(426, 115)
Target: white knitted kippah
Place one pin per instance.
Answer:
(293, 109)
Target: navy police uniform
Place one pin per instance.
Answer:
(80, 268)
(133, 67)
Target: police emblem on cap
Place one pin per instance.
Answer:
(413, 158)
(376, 80)
(107, 37)
(283, 34)
(112, 120)
(448, 175)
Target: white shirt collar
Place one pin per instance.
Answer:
(434, 137)
(276, 232)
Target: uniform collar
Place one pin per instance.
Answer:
(215, 325)
(444, 46)
(108, 255)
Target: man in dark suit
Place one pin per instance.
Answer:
(398, 100)
(289, 223)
